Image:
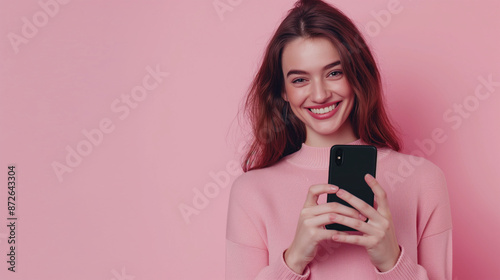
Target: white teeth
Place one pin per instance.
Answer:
(324, 110)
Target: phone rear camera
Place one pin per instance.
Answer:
(339, 157)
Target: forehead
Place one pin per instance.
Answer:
(308, 54)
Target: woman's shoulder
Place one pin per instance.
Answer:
(258, 180)
(256, 176)
(412, 166)
(416, 160)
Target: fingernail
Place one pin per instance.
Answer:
(340, 192)
(370, 177)
(334, 188)
(332, 217)
(362, 218)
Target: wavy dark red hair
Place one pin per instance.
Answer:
(276, 136)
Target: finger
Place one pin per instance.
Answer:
(319, 221)
(315, 191)
(335, 207)
(363, 207)
(360, 240)
(328, 234)
(380, 195)
(356, 224)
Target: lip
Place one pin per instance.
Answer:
(324, 116)
(323, 105)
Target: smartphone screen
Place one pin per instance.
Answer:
(348, 166)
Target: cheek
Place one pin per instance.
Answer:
(295, 109)
(345, 90)
(350, 108)
(295, 96)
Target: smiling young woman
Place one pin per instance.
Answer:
(319, 86)
(277, 137)
(317, 91)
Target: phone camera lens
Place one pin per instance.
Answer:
(339, 157)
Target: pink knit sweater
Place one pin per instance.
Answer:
(265, 204)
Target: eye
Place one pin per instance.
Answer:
(335, 73)
(298, 80)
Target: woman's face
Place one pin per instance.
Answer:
(318, 91)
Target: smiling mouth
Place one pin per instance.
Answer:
(325, 109)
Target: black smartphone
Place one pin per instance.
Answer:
(348, 166)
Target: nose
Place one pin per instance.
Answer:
(319, 93)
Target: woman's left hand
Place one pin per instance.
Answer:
(379, 236)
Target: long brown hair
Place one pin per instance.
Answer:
(277, 132)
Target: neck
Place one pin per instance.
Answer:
(343, 135)
(315, 157)
(329, 141)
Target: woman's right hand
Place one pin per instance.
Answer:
(311, 227)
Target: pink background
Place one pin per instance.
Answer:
(117, 215)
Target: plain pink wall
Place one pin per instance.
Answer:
(69, 68)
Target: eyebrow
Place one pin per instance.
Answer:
(304, 72)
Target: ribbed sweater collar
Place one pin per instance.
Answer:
(319, 157)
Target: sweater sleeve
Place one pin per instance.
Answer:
(434, 231)
(435, 261)
(247, 255)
